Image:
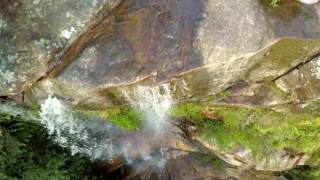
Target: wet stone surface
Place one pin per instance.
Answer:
(303, 82)
(34, 32)
(141, 37)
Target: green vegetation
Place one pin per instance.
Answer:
(26, 152)
(274, 3)
(253, 128)
(259, 129)
(188, 110)
(226, 134)
(122, 117)
(301, 173)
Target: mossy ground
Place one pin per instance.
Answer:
(254, 128)
(259, 129)
(122, 117)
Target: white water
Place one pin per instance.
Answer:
(154, 102)
(60, 124)
(68, 131)
(96, 138)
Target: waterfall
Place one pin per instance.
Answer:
(60, 124)
(89, 137)
(154, 102)
(102, 141)
(95, 138)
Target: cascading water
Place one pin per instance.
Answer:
(102, 141)
(59, 122)
(154, 102)
(84, 137)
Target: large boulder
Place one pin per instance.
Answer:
(201, 48)
(303, 82)
(34, 33)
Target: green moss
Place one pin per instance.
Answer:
(301, 135)
(275, 88)
(225, 137)
(187, 110)
(274, 3)
(254, 128)
(227, 134)
(122, 117)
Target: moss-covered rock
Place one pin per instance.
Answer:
(254, 135)
(122, 117)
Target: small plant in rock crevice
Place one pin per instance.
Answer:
(274, 3)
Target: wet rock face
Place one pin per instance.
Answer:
(304, 82)
(141, 37)
(279, 58)
(236, 41)
(227, 28)
(293, 19)
(34, 32)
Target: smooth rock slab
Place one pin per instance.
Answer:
(140, 38)
(34, 32)
(197, 84)
(199, 48)
(164, 39)
(304, 82)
